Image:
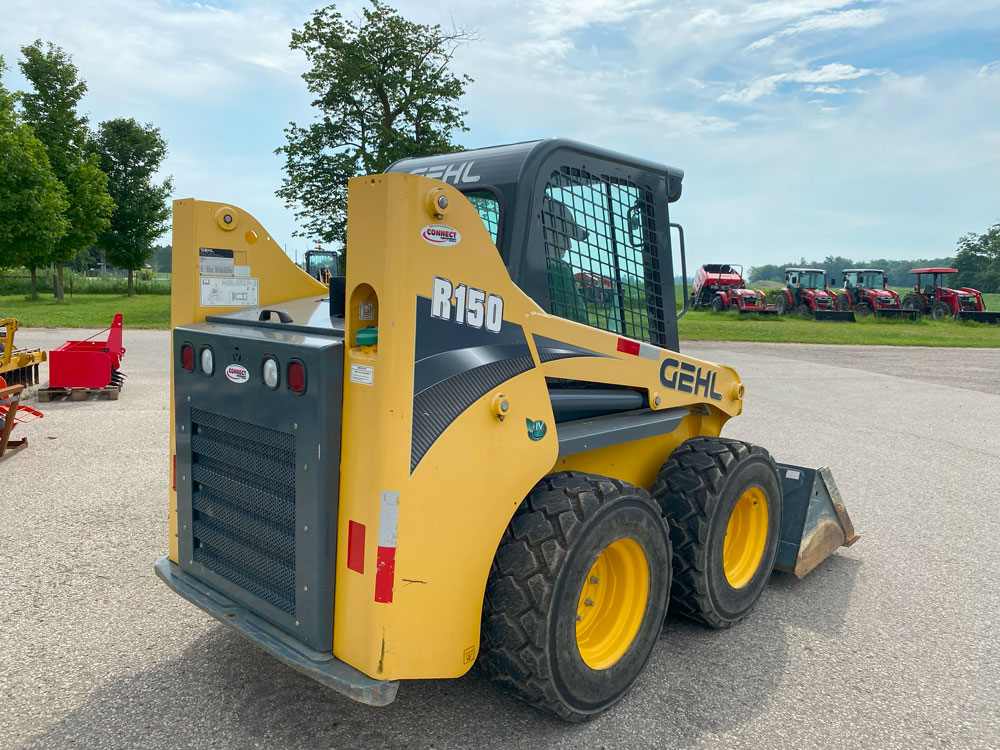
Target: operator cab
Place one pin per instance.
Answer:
(569, 218)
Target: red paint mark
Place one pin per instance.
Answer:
(356, 546)
(629, 347)
(385, 571)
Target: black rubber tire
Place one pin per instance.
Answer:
(697, 488)
(940, 311)
(863, 310)
(718, 305)
(803, 310)
(843, 302)
(913, 302)
(529, 611)
(781, 305)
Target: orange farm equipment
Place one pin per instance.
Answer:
(13, 412)
(89, 363)
(17, 366)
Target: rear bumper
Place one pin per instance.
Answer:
(323, 667)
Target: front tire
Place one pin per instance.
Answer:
(862, 310)
(722, 501)
(576, 595)
(718, 305)
(940, 311)
(913, 302)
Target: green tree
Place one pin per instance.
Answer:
(51, 110)
(383, 92)
(978, 260)
(130, 155)
(32, 200)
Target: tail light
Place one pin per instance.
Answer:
(296, 376)
(187, 357)
(269, 372)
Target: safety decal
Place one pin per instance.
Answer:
(215, 262)
(441, 235)
(237, 373)
(637, 348)
(385, 561)
(466, 305)
(536, 429)
(363, 374)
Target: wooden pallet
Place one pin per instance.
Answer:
(77, 394)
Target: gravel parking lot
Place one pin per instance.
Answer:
(889, 644)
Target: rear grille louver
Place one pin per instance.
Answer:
(243, 502)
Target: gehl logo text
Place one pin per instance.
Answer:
(460, 173)
(686, 378)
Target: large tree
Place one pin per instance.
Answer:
(130, 154)
(383, 92)
(978, 260)
(32, 200)
(51, 110)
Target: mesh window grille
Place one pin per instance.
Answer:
(489, 210)
(602, 261)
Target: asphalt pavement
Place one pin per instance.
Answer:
(891, 643)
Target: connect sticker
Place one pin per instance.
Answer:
(237, 373)
(441, 234)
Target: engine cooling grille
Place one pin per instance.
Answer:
(243, 502)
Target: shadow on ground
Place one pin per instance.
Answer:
(222, 691)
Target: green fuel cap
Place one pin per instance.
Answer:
(367, 336)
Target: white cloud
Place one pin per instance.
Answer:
(767, 85)
(856, 18)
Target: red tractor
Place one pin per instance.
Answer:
(594, 287)
(806, 292)
(940, 301)
(722, 287)
(866, 291)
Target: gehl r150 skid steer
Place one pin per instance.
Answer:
(453, 453)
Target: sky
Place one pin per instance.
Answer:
(806, 128)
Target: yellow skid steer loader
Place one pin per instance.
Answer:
(458, 451)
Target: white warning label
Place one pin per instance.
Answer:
(218, 291)
(215, 262)
(363, 374)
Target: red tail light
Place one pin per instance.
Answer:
(296, 376)
(187, 357)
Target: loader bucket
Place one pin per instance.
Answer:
(980, 316)
(90, 363)
(814, 522)
(836, 316)
(896, 314)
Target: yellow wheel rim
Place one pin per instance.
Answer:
(746, 536)
(612, 604)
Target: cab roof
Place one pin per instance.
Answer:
(864, 270)
(505, 164)
(805, 270)
(934, 270)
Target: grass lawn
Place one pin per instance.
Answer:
(88, 310)
(731, 326)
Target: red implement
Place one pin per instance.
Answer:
(89, 363)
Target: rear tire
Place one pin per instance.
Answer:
(802, 310)
(566, 625)
(718, 305)
(781, 305)
(716, 493)
(940, 311)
